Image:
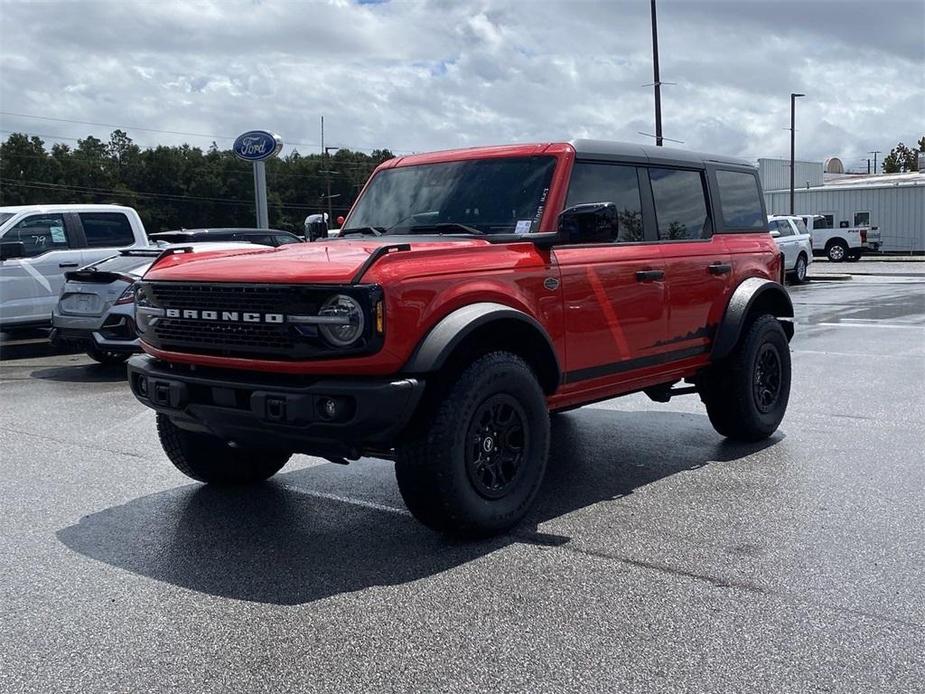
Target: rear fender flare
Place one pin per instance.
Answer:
(755, 294)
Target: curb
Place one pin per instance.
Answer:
(829, 278)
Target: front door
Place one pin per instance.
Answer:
(29, 286)
(614, 294)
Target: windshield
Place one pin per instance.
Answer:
(488, 196)
(5, 216)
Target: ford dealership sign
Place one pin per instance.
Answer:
(257, 145)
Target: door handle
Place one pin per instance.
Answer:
(67, 264)
(649, 275)
(719, 268)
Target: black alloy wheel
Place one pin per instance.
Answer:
(767, 378)
(498, 438)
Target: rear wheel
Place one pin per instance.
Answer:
(746, 394)
(476, 464)
(104, 357)
(209, 459)
(836, 251)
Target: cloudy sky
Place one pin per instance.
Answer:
(415, 76)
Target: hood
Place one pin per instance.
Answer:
(321, 262)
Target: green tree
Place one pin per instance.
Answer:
(902, 159)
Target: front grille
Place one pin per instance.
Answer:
(276, 340)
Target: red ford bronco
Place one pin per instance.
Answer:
(469, 294)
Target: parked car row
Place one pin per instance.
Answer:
(72, 267)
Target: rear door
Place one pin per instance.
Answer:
(105, 234)
(614, 294)
(787, 242)
(29, 286)
(697, 263)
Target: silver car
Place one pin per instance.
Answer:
(96, 309)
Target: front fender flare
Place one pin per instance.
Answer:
(452, 329)
(753, 294)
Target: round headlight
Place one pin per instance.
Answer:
(349, 326)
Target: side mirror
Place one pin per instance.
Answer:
(12, 249)
(592, 222)
(774, 233)
(316, 229)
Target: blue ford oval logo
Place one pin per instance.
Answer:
(257, 145)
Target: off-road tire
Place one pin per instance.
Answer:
(107, 358)
(435, 468)
(836, 251)
(729, 388)
(799, 270)
(209, 459)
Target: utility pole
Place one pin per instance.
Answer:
(793, 132)
(875, 153)
(657, 83)
(327, 174)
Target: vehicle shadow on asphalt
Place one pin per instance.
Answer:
(282, 543)
(83, 373)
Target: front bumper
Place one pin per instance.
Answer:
(294, 412)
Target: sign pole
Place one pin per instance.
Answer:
(256, 146)
(260, 194)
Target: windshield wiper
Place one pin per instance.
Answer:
(461, 228)
(371, 231)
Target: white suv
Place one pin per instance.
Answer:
(39, 243)
(794, 241)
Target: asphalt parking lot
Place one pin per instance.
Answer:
(659, 557)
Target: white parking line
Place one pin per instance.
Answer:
(347, 500)
(872, 325)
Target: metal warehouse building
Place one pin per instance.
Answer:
(893, 202)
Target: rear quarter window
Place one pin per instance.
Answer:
(740, 200)
(107, 229)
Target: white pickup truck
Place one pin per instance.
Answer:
(39, 243)
(843, 243)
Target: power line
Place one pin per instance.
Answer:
(175, 197)
(172, 132)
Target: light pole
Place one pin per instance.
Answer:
(793, 132)
(875, 153)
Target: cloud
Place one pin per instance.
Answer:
(414, 76)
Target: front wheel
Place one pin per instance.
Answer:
(209, 459)
(836, 251)
(477, 463)
(746, 394)
(799, 270)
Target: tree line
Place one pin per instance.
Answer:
(175, 187)
(903, 159)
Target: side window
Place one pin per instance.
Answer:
(680, 205)
(827, 222)
(739, 200)
(107, 229)
(862, 219)
(801, 227)
(610, 183)
(38, 234)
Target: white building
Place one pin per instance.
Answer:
(893, 202)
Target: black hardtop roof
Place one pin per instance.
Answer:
(628, 151)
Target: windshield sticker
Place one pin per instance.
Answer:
(537, 218)
(57, 234)
(523, 226)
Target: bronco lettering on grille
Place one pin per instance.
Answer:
(232, 316)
